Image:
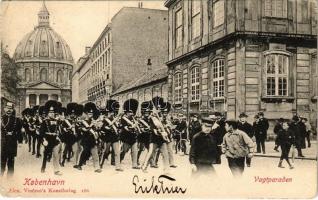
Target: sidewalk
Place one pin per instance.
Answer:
(309, 153)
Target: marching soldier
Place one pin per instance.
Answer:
(130, 131)
(49, 132)
(77, 147)
(158, 137)
(89, 137)
(110, 133)
(144, 122)
(37, 124)
(10, 135)
(24, 121)
(168, 127)
(32, 131)
(64, 134)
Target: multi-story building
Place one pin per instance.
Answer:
(248, 56)
(45, 65)
(133, 38)
(148, 85)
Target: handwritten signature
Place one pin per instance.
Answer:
(158, 187)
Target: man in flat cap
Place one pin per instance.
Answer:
(11, 127)
(203, 150)
(194, 127)
(261, 132)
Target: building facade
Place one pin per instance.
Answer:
(248, 56)
(148, 85)
(135, 38)
(45, 65)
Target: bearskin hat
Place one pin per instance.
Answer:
(62, 110)
(112, 106)
(51, 105)
(25, 112)
(90, 107)
(166, 107)
(36, 109)
(146, 106)
(131, 105)
(42, 110)
(71, 108)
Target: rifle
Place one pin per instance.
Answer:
(112, 123)
(89, 127)
(133, 125)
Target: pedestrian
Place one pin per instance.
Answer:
(285, 139)
(181, 133)
(296, 128)
(308, 131)
(236, 146)
(260, 128)
(11, 135)
(218, 131)
(203, 150)
(243, 125)
(194, 127)
(278, 126)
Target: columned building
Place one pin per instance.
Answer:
(45, 65)
(236, 56)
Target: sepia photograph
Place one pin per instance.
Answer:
(159, 98)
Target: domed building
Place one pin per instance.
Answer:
(45, 65)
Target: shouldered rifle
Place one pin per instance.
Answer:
(132, 124)
(90, 129)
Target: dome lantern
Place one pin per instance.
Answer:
(44, 16)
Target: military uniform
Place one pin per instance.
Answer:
(110, 134)
(129, 131)
(10, 135)
(49, 131)
(89, 137)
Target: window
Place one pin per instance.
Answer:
(275, 8)
(218, 78)
(177, 88)
(276, 66)
(218, 13)
(178, 18)
(43, 75)
(27, 75)
(195, 84)
(59, 77)
(195, 18)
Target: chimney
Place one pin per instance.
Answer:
(149, 64)
(87, 50)
(139, 4)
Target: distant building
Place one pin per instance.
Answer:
(134, 38)
(149, 84)
(248, 56)
(45, 65)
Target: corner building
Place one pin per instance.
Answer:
(236, 56)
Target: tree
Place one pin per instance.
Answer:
(9, 75)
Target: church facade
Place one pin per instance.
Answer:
(45, 65)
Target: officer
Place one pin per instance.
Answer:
(129, 131)
(64, 134)
(37, 124)
(89, 137)
(77, 147)
(243, 125)
(49, 131)
(32, 130)
(110, 133)
(10, 136)
(203, 151)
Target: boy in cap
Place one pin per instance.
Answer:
(236, 146)
(243, 125)
(11, 135)
(203, 150)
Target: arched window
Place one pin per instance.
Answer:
(276, 69)
(59, 76)
(217, 78)
(195, 84)
(177, 87)
(43, 75)
(27, 75)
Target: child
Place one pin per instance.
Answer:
(285, 139)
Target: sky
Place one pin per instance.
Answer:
(78, 22)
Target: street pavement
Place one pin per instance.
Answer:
(109, 183)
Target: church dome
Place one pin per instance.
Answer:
(43, 44)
